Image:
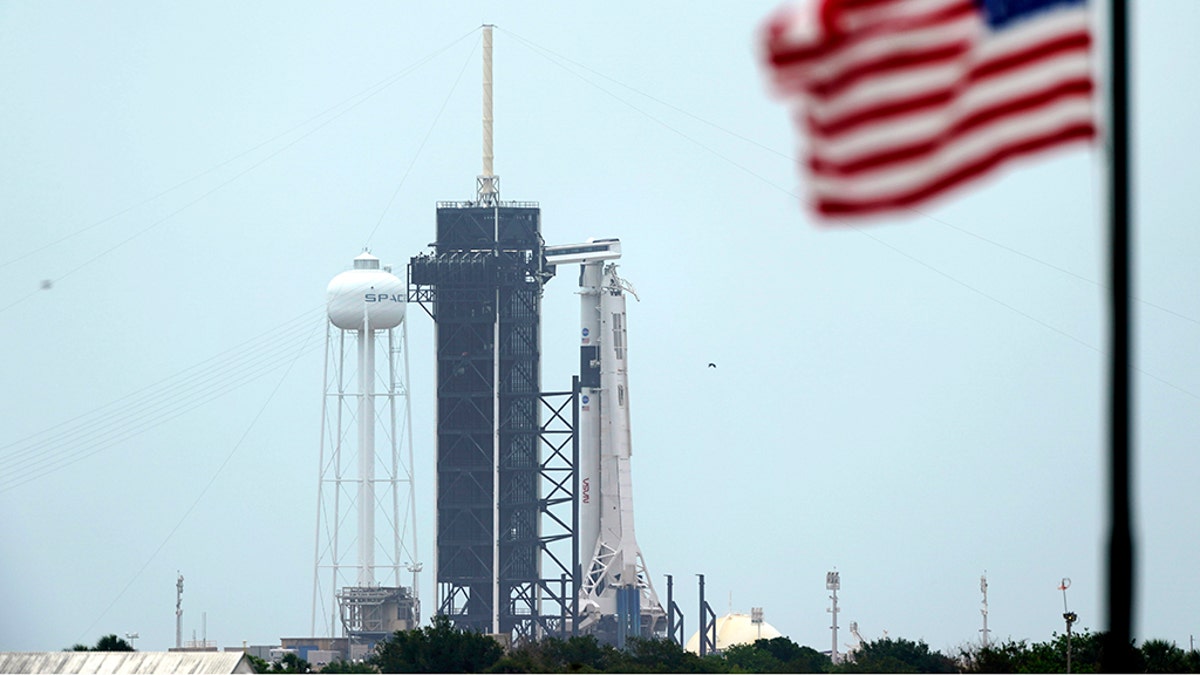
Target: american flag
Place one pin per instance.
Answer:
(903, 100)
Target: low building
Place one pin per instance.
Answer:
(319, 649)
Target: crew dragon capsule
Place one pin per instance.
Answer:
(616, 596)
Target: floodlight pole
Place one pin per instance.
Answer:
(1068, 616)
(833, 582)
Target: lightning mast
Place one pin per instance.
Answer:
(487, 189)
(499, 463)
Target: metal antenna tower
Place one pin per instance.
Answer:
(833, 582)
(179, 611)
(983, 586)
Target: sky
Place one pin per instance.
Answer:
(912, 403)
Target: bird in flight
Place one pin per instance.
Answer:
(712, 365)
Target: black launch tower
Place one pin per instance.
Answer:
(504, 448)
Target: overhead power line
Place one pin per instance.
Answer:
(325, 118)
(84, 435)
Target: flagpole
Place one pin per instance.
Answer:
(1117, 657)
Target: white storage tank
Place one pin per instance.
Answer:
(367, 291)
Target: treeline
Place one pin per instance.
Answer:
(442, 648)
(108, 643)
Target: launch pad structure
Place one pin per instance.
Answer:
(534, 517)
(534, 513)
(616, 595)
(504, 490)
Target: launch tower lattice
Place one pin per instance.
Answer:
(500, 469)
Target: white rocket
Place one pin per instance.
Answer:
(615, 582)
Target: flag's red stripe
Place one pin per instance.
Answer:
(870, 20)
(1010, 108)
(938, 98)
(950, 52)
(785, 55)
(891, 63)
(1079, 40)
(880, 62)
(859, 4)
(830, 205)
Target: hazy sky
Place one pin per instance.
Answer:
(911, 403)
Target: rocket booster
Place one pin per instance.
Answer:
(589, 409)
(616, 498)
(615, 568)
(615, 582)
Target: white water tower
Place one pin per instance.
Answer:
(366, 461)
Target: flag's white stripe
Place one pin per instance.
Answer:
(965, 29)
(988, 43)
(801, 26)
(886, 134)
(899, 85)
(988, 46)
(868, 16)
(902, 85)
(901, 179)
(803, 29)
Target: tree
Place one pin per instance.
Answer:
(750, 659)
(1161, 656)
(108, 643)
(1006, 657)
(112, 643)
(581, 654)
(897, 655)
(652, 655)
(777, 655)
(796, 658)
(440, 648)
(1051, 656)
(290, 663)
(340, 666)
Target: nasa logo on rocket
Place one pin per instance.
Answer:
(585, 336)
